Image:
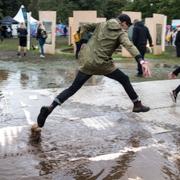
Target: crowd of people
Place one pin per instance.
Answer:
(41, 37)
(5, 32)
(173, 38)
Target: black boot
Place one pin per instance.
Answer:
(138, 107)
(173, 96)
(44, 112)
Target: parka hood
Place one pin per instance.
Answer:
(139, 23)
(113, 24)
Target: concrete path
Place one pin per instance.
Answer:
(94, 135)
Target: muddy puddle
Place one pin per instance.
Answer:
(83, 140)
(91, 145)
(42, 74)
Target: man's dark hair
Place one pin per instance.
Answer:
(126, 18)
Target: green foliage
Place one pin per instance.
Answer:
(105, 8)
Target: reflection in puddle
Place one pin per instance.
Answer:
(3, 75)
(121, 167)
(61, 74)
(40, 78)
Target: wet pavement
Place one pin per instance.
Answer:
(94, 135)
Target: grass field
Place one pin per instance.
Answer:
(12, 43)
(65, 51)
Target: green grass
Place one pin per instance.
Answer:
(168, 54)
(65, 51)
(12, 43)
(9, 44)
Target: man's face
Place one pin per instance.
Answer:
(124, 25)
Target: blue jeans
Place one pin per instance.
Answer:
(41, 44)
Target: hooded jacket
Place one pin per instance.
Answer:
(141, 35)
(176, 71)
(96, 56)
(177, 40)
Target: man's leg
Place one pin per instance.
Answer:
(174, 93)
(177, 89)
(19, 51)
(124, 80)
(142, 51)
(24, 50)
(42, 49)
(178, 51)
(80, 79)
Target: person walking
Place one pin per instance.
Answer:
(65, 31)
(175, 92)
(22, 35)
(77, 38)
(140, 36)
(130, 30)
(41, 37)
(177, 42)
(96, 59)
(1, 33)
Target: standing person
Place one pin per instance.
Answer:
(96, 59)
(174, 36)
(22, 35)
(77, 38)
(175, 92)
(41, 37)
(140, 36)
(85, 36)
(130, 30)
(177, 42)
(65, 30)
(1, 33)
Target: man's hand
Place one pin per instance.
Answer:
(172, 76)
(145, 68)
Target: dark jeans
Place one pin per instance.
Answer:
(78, 47)
(81, 78)
(177, 89)
(41, 44)
(178, 51)
(142, 50)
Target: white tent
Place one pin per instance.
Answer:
(32, 20)
(20, 18)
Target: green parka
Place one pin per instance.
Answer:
(96, 56)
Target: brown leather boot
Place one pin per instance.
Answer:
(138, 107)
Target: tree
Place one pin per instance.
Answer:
(114, 8)
(1, 9)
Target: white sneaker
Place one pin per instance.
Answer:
(42, 56)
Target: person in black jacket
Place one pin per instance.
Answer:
(140, 36)
(22, 35)
(175, 92)
(177, 43)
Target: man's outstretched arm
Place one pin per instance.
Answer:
(124, 40)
